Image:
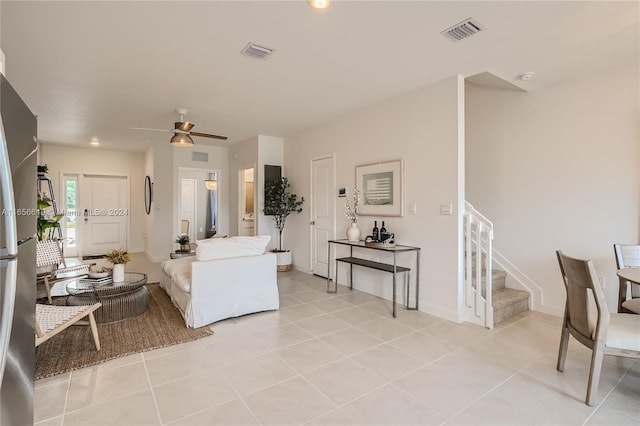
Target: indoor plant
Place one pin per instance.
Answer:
(46, 221)
(280, 202)
(183, 240)
(119, 258)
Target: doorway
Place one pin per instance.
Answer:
(246, 217)
(197, 212)
(322, 212)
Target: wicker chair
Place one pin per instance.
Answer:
(52, 319)
(52, 267)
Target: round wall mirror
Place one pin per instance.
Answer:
(147, 194)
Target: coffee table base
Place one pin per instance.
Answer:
(115, 308)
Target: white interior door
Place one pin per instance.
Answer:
(104, 213)
(188, 203)
(322, 213)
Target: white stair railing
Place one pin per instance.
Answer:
(478, 247)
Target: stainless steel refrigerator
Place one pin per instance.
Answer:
(18, 171)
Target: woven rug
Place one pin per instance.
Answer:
(162, 325)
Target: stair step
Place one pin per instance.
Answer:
(498, 280)
(508, 302)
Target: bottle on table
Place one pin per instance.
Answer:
(383, 230)
(375, 233)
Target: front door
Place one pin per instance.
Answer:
(104, 213)
(322, 212)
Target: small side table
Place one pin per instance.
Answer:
(179, 254)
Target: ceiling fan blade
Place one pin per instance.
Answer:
(153, 130)
(206, 135)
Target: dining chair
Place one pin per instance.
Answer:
(591, 323)
(52, 319)
(52, 266)
(628, 256)
(184, 227)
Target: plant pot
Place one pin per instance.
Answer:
(283, 260)
(185, 248)
(118, 272)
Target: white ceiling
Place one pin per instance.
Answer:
(95, 69)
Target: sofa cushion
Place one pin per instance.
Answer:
(224, 248)
(177, 266)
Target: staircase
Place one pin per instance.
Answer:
(501, 302)
(507, 302)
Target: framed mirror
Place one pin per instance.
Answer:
(148, 194)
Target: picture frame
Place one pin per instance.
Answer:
(380, 186)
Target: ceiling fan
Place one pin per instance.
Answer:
(182, 131)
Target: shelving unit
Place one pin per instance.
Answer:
(51, 232)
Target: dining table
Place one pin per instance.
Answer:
(631, 275)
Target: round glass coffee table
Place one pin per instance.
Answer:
(120, 300)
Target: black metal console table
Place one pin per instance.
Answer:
(386, 267)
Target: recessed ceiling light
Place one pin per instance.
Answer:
(95, 141)
(320, 4)
(526, 76)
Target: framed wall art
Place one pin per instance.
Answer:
(380, 186)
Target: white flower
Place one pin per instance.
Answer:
(352, 209)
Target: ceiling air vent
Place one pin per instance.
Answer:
(256, 51)
(199, 156)
(464, 29)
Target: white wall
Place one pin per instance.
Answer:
(271, 152)
(558, 169)
(422, 128)
(100, 161)
(242, 155)
(255, 152)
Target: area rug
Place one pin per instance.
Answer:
(162, 325)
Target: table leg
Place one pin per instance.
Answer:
(417, 277)
(394, 284)
(329, 270)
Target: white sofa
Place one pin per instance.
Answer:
(213, 286)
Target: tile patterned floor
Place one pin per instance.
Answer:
(326, 359)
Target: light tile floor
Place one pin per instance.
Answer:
(326, 359)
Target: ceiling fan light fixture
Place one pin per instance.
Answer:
(181, 139)
(320, 4)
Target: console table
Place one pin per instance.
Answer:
(394, 268)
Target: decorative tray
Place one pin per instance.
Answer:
(97, 275)
(379, 244)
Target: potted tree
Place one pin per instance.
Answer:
(280, 202)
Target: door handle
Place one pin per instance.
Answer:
(312, 223)
(86, 215)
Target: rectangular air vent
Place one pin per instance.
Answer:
(462, 30)
(256, 51)
(199, 156)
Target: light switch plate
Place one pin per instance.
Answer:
(446, 209)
